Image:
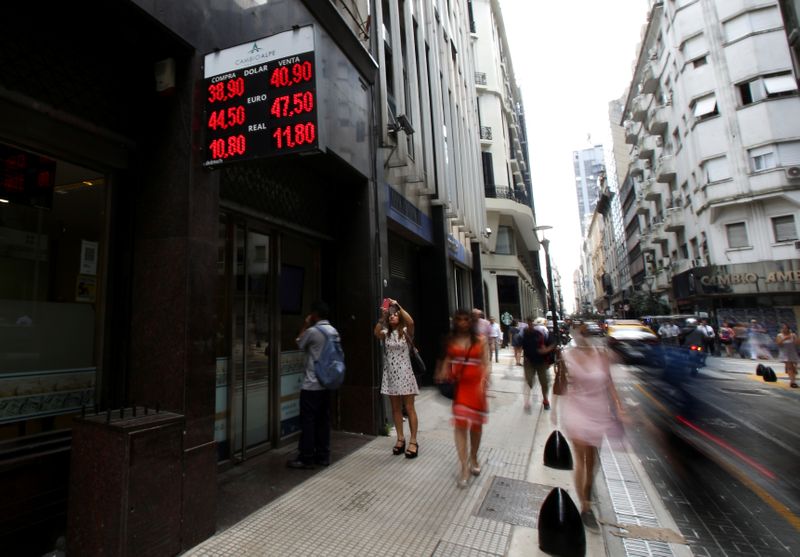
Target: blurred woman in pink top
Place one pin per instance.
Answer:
(592, 411)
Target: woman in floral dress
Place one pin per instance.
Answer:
(399, 383)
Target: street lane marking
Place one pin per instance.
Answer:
(760, 492)
(778, 383)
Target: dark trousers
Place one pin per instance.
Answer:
(315, 426)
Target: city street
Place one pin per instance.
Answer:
(722, 452)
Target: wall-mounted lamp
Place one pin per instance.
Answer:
(487, 232)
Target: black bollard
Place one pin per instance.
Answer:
(556, 452)
(760, 369)
(769, 375)
(560, 526)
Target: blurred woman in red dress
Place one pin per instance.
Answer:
(466, 363)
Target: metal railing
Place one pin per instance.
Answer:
(486, 132)
(505, 192)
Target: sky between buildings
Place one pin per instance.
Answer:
(570, 59)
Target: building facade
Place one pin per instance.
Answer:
(587, 165)
(511, 276)
(712, 190)
(180, 185)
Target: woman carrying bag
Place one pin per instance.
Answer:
(399, 384)
(466, 363)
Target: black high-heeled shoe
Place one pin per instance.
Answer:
(413, 454)
(399, 449)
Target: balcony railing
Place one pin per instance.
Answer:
(486, 133)
(505, 192)
(480, 78)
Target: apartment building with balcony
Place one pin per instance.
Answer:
(712, 193)
(511, 275)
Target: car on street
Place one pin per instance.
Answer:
(594, 328)
(634, 343)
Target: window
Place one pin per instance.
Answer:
(762, 158)
(768, 87)
(694, 47)
(505, 241)
(773, 156)
(783, 228)
(752, 22)
(53, 236)
(698, 62)
(737, 235)
(716, 170)
(695, 248)
(705, 107)
(789, 153)
(676, 139)
(488, 170)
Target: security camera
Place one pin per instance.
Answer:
(488, 231)
(405, 124)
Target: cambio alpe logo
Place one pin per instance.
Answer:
(255, 49)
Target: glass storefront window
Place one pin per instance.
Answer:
(52, 228)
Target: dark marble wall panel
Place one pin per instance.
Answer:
(158, 327)
(199, 494)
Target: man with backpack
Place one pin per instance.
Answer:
(538, 354)
(315, 426)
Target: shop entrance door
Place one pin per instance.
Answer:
(244, 386)
(250, 409)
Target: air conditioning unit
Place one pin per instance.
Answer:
(793, 172)
(665, 262)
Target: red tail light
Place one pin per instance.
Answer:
(697, 348)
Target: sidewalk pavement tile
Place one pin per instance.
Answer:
(374, 503)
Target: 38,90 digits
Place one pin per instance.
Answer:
(222, 148)
(288, 137)
(225, 90)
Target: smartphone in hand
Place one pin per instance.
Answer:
(386, 303)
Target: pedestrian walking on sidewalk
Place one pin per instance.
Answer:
(708, 336)
(787, 344)
(726, 338)
(395, 328)
(739, 339)
(538, 354)
(592, 410)
(466, 363)
(495, 336)
(315, 424)
(515, 334)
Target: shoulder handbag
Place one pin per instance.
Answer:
(561, 381)
(417, 364)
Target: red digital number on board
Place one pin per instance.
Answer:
(295, 135)
(284, 76)
(227, 118)
(225, 90)
(230, 146)
(291, 105)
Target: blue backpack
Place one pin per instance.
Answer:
(329, 368)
